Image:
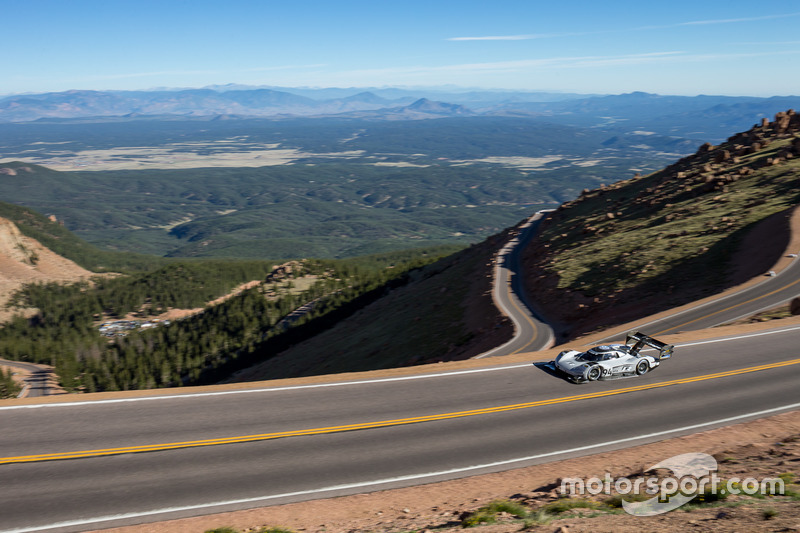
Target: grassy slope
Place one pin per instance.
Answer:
(656, 241)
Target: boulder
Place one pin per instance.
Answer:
(722, 156)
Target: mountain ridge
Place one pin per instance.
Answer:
(649, 243)
(710, 116)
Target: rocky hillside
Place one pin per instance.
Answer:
(642, 245)
(24, 260)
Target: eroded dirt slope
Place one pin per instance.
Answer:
(23, 260)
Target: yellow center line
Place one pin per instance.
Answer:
(382, 423)
(779, 289)
(526, 317)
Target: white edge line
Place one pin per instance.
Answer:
(739, 337)
(275, 389)
(345, 383)
(410, 477)
(727, 297)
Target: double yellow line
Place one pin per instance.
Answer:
(381, 423)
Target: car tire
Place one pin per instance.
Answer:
(594, 373)
(642, 367)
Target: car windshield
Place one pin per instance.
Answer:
(590, 356)
(601, 353)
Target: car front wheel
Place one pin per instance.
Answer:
(594, 373)
(642, 367)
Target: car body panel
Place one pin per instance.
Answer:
(611, 360)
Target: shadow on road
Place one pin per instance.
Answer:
(547, 367)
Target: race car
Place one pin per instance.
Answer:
(612, 360)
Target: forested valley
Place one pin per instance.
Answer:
(206, 346)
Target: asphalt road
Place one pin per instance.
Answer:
(531, 332)
(37, 381)
(769, 293)
(297, 443)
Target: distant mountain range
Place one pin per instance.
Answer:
(708, 117)
(193, 102)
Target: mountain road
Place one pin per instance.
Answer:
(80, 465)
(769, 293)
(531, 332)
(77, 465)
(36, 383)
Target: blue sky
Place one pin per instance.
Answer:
(677, 47)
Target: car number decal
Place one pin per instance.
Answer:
(621, 369)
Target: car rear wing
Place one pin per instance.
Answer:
(641, 340)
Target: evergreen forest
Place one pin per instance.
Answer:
(8, 387)
(289, 302)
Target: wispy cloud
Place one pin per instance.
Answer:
(577, 34)
(528, 64)
(767, 43)
(516, 37)
(730, 21)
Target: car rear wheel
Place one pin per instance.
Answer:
(594, 373)
(642, 367)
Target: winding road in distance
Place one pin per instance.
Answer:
(531, 332)
(36, 383)
(769, 293)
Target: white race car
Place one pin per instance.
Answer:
(613, 360)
